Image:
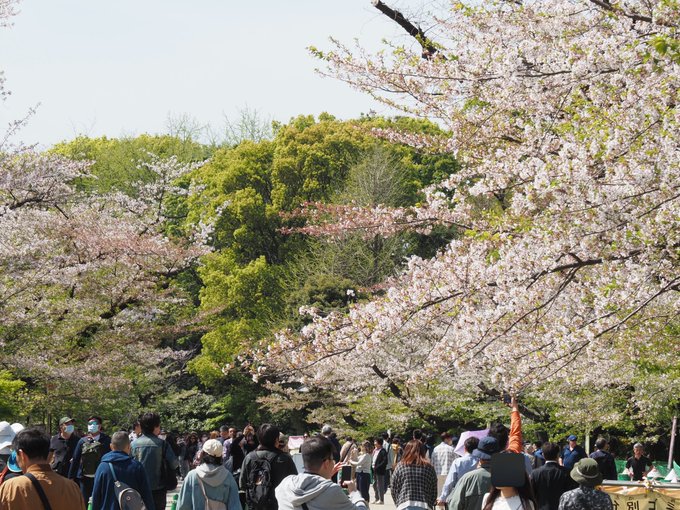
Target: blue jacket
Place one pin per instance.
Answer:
(128, 471)
(218, 483)
(148, 449)
(76, 470)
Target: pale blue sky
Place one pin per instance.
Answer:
(120, 67)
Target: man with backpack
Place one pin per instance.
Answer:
(157, 457)
(264, 469)
(118, 466)
(40, 487)
(87, 455)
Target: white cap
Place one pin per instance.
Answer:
(212, 447)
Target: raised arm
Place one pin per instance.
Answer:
(515, 438)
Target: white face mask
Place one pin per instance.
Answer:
(93, 428)
(69, 429)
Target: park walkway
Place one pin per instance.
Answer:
(389, 504)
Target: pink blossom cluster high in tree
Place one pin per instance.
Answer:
(565, 272)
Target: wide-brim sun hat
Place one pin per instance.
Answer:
(587, 472)
(12, 463)
(7, 434)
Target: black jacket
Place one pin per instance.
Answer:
(380, 466)
(550, 481)
(282, 465)
(606, 463)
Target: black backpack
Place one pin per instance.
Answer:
(91, 455)
(259, 484)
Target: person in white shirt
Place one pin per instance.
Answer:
(510, 485)
(363, 469)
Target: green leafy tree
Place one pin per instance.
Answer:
(118, 161)
(10, 395)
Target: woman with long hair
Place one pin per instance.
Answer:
(414, 481)
(363, 469)
(510, 498)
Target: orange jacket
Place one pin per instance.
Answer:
(515, 437)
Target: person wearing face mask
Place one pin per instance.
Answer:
(39, 481)
(87, 456)
(62, 447)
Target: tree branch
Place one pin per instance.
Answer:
(604, 4)
(529, 413)
(429, 49)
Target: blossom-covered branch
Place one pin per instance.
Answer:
(565, 119)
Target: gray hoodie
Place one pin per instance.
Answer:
(317, 492)
(218, 483)
(212, 475)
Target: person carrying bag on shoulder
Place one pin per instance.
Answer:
(158, 459)
(40, 487)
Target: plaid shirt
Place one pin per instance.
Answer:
(414, 485)
(442, 458)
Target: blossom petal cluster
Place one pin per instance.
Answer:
(566, 267)
(84, 276)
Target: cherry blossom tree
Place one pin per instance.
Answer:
(565, 272)
(85, 280)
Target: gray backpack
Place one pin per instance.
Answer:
(127, 497)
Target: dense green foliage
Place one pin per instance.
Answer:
(250, 285)
(118, 161)
(257, 277)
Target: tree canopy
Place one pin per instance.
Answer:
(562, 281)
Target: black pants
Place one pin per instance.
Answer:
(86, 485)
(379, 487)
(160, 498)
(363, 483)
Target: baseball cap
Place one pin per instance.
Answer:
(212, 447)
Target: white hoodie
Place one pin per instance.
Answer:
(317, 492)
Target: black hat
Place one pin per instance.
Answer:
(486, 448)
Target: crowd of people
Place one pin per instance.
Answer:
(235, 469)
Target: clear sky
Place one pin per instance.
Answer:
(121, 67)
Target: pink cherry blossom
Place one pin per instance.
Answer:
(565, 270)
